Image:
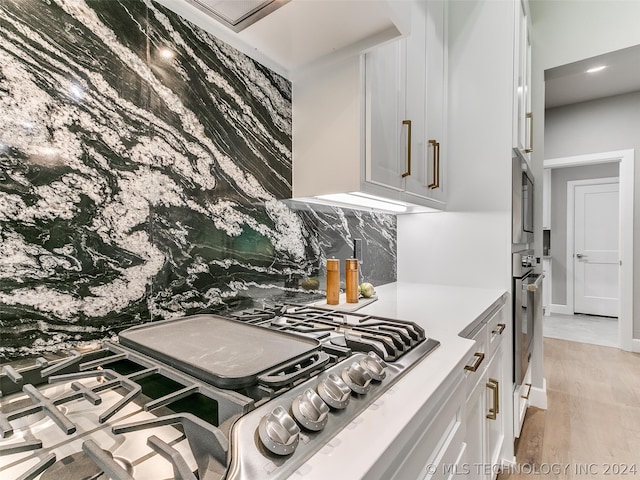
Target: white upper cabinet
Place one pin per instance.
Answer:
(378, 122)
(405, 98)
(523, 122)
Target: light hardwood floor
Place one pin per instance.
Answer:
(591, 428)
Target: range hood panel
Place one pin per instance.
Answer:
(238, 14)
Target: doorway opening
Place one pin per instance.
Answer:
(624, 240)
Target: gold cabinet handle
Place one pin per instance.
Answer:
(494, 385)
(526, 397)
(500, 329)
(408, 124)
(479, 358)
(436, 164)
(530, 148)
(438, 167)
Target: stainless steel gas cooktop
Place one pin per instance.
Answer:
(207, 397)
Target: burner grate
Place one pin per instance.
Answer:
(208, 444)
(343, 332)
(47, 405)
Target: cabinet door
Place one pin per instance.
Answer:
(546, 199)
(405, 109)
(426, 98)
(495, 402)
(386, 134)
(436, 99)
(416, 182)
(528, 133)
(475, 407)
(475, 438)
(521, 23)
(524, 115)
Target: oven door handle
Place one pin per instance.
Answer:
(274, 378)
(535, 285)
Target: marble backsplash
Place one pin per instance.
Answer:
(144, 167)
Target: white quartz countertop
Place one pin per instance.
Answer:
(444, 312)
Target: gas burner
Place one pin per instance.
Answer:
(77, 466)
(259, 315)
(343, 332)
(203, 396)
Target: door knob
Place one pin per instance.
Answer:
(580, 255)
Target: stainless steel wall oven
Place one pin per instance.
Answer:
(527, 291)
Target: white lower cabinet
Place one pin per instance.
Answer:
(438, 446)
(487, 388)
(443, 464)
(475, 437)
(496, 399)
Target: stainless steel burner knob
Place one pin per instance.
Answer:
(279, 432)
(357, 378)
(334, 391)
(310, 411)
(376, 367)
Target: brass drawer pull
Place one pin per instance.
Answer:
(500, 329)
(436, 164)
(526, 397)
(494, 385)
(408, 124)
(479, 358)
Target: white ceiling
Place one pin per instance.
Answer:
(302, 34)
(570, 83)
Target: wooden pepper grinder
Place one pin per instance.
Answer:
(333, 281)
(351, 280)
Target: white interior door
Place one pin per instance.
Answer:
(596, 259)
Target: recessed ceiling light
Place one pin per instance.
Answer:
(596, 69)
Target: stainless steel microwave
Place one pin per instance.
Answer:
(522, 203)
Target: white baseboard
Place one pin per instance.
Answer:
(635, 345)
(538, 396)
(562, 309)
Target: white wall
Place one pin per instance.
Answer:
(602, 125)
(455, 248)
(565, 32)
